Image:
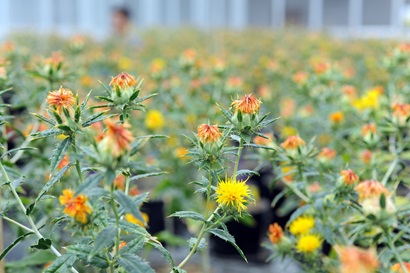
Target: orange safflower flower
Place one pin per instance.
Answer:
(247, 104)
(62, 97)
(63, 162)
(369, 128)
(349, 90)
(293, 142)
(321, 68)
(404, 47)
(76, 206)
(397, 267)
(118, 136)
(300, 77)
(119, 182)
(355, 260)
(123, 80)
(208, 133)
(336, 117)
(326, 154)
(263, 141)
(349, 177)
(275, 233)
(122, 244)
(370, 188)
(401, 111)
(366, 156)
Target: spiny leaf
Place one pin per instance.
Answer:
(59, 153)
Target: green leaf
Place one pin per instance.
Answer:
(165, 253)
(46, 133)
(128, 204)
(13, 244)
(104, 239)
(46, 120)
(82, 251)
(382, 201)
(84, 103)
(134, 264)
(137, 177)
(226, 236)
(62, 264)
(189, 214)
(16, 150)
(42, 243)
(132, 228)
(133, 246)
(134, 95)
(77, 114)
(59, 152)
(247, 172)
(55, 178)
(201, 245)
(96, 118)
(90, 182)
(16, 183)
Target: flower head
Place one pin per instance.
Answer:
(123, 80)
(247, 104)
(326, 154)
(302, 225)
(336, 117)
(370, 188)
(401, 111)
(233, 194)
(62, 97)
(208, 133)
(75, 206)
(368, 129)
(132, 219)
(308, 243)
(355, 260)
(275, 233)
(293, 142)
(154, 120)
(349, 177)
(117, 136)
(397, 267)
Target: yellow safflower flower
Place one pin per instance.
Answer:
(308, 243)
(302, 225)
(132, 219)
(154, 120)
(233, 194)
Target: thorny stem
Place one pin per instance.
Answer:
(238, 156)
(198, 240)
(30, 220)
(394, 162)
(77, 162)
(395, 252)
(117, 224)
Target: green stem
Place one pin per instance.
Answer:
(238, 156)
(17, 224)
(77, 162)
(200, 235)
(30, 220)
(117, 224)
(390, 170)
(395, 252)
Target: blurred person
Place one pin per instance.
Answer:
(123, 29)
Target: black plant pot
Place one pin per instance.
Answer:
(247, 237)
(155, 211)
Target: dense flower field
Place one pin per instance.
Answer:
(213, 125)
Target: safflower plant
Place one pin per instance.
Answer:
(101, 214)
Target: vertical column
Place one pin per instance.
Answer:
(315, 18)
(397, 9)
(173, 12)
(150, 15)
(355, 14)
(278, 13)
(5, 22)
(238, 13)
(85, 21)
(200, 13)
(45, 15)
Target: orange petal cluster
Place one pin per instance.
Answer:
(356, 260)
(275, 233)
(123, 80)
(370, 188)
(75, 206)
(247, 104)
(208, 133)
(349, 177)
(62, 97)
(293, 142)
